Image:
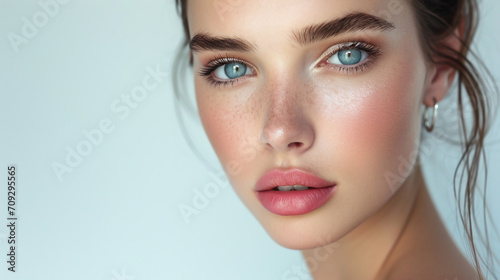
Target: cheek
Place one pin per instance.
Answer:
(226, 122)
(233, 134)
(377, 130)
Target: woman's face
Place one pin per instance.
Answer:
(328, 88)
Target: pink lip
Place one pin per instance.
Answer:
(287, 203)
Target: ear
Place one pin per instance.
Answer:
(441, 74)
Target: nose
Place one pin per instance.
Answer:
(287, 127)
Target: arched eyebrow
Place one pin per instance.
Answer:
(349, 23)
(207, 42)
(308, 35)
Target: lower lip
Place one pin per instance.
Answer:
(289, 203)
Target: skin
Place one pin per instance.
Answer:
(350, 128)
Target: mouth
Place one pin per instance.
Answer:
(292, 192)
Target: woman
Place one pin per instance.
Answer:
(314, 109)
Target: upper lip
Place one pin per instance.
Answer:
(279, 177)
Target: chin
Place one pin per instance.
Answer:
(300, 232)
(302, 241)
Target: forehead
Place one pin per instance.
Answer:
(274, 18)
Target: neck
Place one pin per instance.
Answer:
(365, 252)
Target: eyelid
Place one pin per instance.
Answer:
(218, 61)
(371, 49)
(208, 70)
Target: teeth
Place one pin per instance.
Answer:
(300, 188)
(292, 188)
(285, 188)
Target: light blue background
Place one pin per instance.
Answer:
(116, 215)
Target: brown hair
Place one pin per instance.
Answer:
(437, 20)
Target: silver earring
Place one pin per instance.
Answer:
(429, 125)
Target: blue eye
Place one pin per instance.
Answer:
(232, 70)
(348, 57)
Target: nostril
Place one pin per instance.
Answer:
(295, 145)
(287, 134)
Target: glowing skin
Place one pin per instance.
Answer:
(294, 107)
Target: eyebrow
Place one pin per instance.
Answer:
(349, 23)
(308, 35)
(204, 41)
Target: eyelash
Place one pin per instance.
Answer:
(371, 50)
(217, 62)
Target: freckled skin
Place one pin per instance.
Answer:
(352, 129)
